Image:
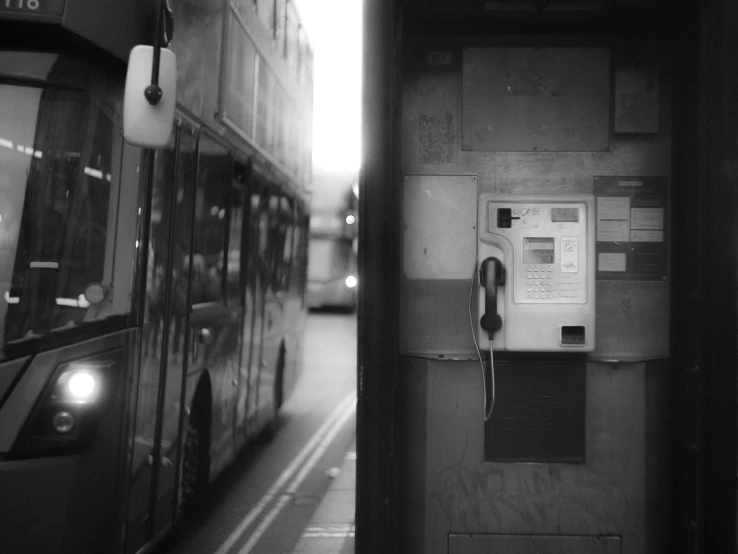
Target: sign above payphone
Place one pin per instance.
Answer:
(536, 273)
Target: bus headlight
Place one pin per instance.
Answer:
(79, 385)
(351, 281)
(68, 413)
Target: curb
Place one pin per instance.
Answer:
(331, 529)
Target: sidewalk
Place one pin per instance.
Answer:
(331, 529)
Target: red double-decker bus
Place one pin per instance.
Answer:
(151, 299)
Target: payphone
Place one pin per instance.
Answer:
(536, 273)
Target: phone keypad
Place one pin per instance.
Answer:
(539, 283)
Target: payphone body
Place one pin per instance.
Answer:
(536, 270)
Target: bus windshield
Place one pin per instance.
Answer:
(58, 209)
(329, 259)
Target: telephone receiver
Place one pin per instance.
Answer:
(491, 276)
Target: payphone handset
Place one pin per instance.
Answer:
(536, 273)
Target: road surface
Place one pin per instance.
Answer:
(264, 501)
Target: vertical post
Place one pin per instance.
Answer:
(719, 164)
(704, 264)
(687, 302)
(153, 92)
(378, 361)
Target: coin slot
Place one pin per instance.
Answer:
(572, 335)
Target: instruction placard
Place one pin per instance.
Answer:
(631, 228)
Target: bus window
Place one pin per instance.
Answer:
(213, 183)
(280, 14)
(266, 105)
(286, 233)
(274, 244)
(184, 187)
(301, 55)
(291, 32)
(238, 93)
(234, 275)
(280, 124)
(58, 207)
(266, 13)
(156, 277)
(298, 279)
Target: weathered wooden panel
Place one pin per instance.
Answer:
(432, 93)
(436, 135)
(431, 117)
(532, 544)
(498, 8)
(622, 487)
(608, 495)
(434, 318)
(622, 490)
(439, 247)
(631, 324)
(568, 173)
(536, 99)
(439, 226)
(636, 100)
(632, 320)
(411, 429)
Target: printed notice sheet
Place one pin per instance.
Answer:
(631, 227)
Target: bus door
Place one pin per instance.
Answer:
(215, 319)
(275, 297)
(249, 201)
(156, 439)
(258, 271)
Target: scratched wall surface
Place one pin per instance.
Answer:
(634, 324)
(517, 544)
(621, 489)
(439, 246)
(433, 89)
(536, 99)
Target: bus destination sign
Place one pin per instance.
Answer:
(41, 7)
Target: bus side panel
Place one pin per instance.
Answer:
(100, 473)
(113, 25)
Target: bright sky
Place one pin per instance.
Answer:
(334, 29)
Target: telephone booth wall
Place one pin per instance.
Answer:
(620, 449)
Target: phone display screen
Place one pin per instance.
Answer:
(537, 250)
(566, 215)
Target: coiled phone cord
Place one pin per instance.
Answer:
(487, 414)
